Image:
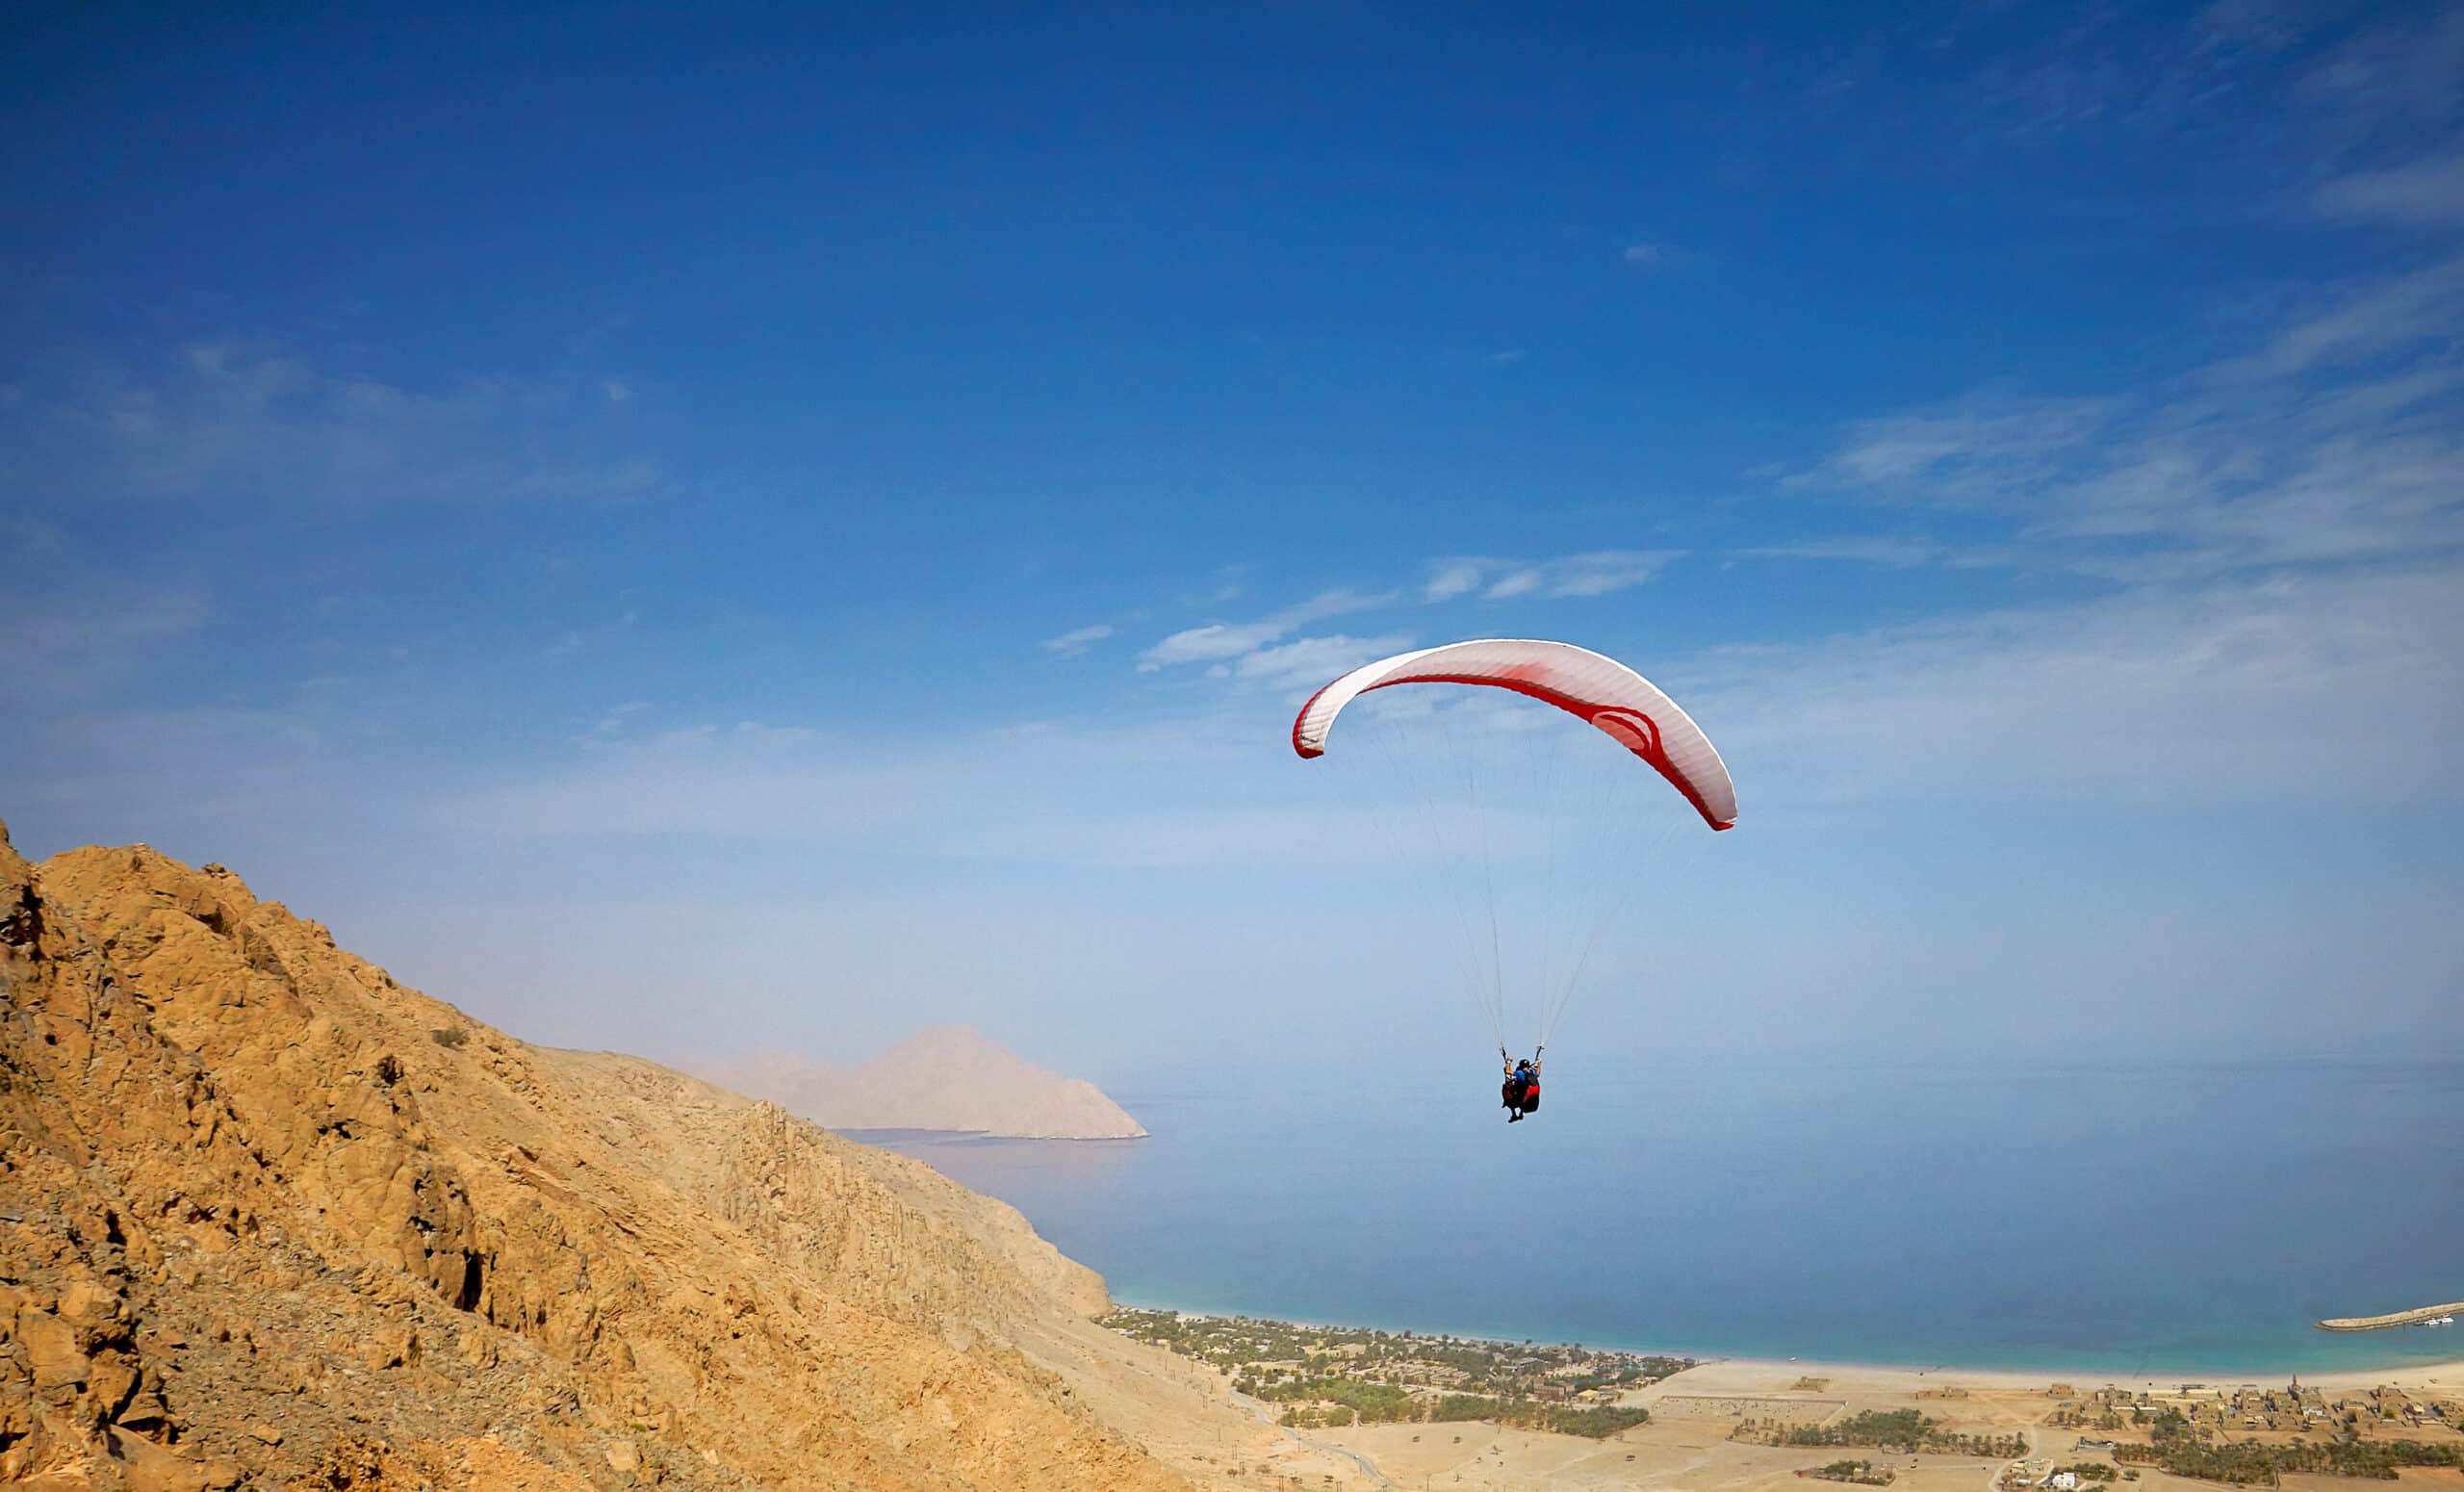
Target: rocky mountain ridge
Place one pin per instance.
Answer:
(269, 1218)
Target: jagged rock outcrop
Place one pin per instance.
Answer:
(269, 1218)
(949, 1077)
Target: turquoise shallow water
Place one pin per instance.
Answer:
(2110, 1219)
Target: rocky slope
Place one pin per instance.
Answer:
(269, 1218)
(949, 1077)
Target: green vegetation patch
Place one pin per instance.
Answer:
(1334, 1375)
(1889, 1429)
(2184, 1452)
(1370, 1403)
(1592, 1423)
(1899, 1429)
(1861, 1473)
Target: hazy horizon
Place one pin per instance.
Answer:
(794, 529)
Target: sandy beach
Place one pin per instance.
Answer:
(2447, 1375)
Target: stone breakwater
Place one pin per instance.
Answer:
(2398, 1319)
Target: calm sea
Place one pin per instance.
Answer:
(2099, 1219)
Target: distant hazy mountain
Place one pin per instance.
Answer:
(949, 1077)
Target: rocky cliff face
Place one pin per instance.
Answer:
(949, 1077)
(269, 1218)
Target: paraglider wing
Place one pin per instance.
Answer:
(1613, 697)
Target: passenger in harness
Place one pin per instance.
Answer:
(1521, 1092)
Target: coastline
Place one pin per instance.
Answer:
(1673, 1260)
(2447, 1372)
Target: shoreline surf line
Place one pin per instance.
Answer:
(1994, 1373)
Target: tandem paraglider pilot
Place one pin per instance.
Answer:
(1572, 684)
(1521, 1090)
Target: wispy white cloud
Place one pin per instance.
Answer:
(1979, 450)
(1221, 641)
(81, 640)
(1230, 582)
(1310, 661)
(2403, 69)
(618, 721)
(2405, 311)
(252, 421)
(2423, 192)
(1257, 652)
(2337, 439)
(1897, 552)
(2338, 690)
(1191, 792)
(1451, 579)
(1593, 573)
(2283, 531)
(1647, 256)
(2264, 27)
(1603, 571)
(2343, 689)
(1070, 644)
(2284, 91)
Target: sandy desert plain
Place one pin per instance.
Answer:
(1686, 1445)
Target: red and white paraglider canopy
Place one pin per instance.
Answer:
(1620, 702)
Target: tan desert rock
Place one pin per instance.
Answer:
(56, 1366)
(261, 1224)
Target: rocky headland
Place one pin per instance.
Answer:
(947, 1078)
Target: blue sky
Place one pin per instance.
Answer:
(689, 531)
